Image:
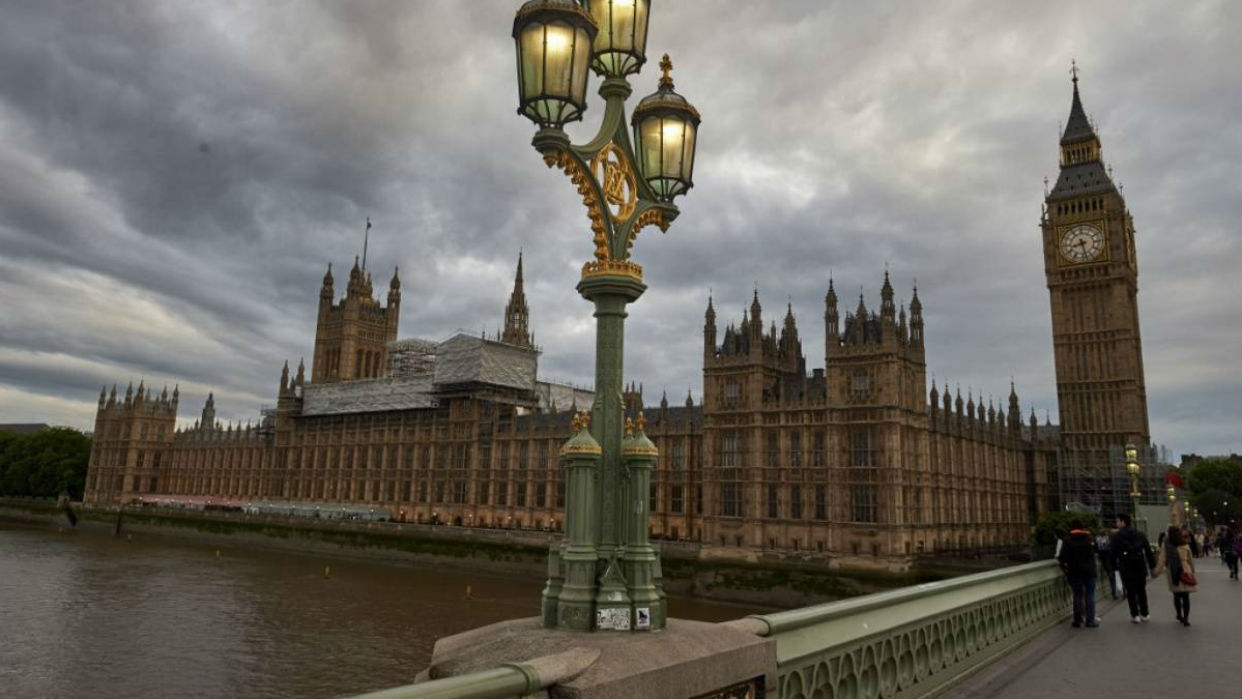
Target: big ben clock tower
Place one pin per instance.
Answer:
(1092, 275)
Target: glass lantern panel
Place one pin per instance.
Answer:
(532, 61)
(558, 57)
(649, 150)
(640, 27)
(582, 58)
(687, 171)
(673, 139)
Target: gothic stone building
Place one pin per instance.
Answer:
(856, 462)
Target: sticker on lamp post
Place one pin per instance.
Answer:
(642, 618)
(613, 619)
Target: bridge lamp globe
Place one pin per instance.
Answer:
(621, 45)
(553, 40)
(665, 132)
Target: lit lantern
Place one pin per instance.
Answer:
(665, 130)
(621, 44)
(553, 39)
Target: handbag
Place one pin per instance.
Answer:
(1188, 578)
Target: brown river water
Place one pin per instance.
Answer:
(84, 614)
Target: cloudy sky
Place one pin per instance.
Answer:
(175, 177)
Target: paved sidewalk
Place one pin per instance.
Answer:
(1158, 659)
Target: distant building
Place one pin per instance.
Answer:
(856, 462)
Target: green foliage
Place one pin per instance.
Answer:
(44, 464)
(1044, 538)
(1224, 475)
(1217, 506)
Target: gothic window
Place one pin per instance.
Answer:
(439, 492)
(863, 503)
(773, 501)
(795, 502)
(731, 449)
(541, 494)
(817, 458)
(860, 385)
(730, 500)
(502, 493)
(141, 458)
(523, 453)
(732, 392)
(772, 454)
(519, 495)
(144, 430)
(409, 458)
(459, 492)
(481, 494)
(795, 449)
(678, 454)
(462, 455)
(543, 455)
(821, 502)
(651, 499)
(861, 449)
(698, 500)
(504, 456)
(675, 500)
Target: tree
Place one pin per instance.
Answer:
(1218, 507)
(44, 464)
(1223, 474)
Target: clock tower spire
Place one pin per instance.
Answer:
(1092, 275)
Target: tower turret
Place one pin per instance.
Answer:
(709, 329)
(208, 420)
(887, 310)
(832, 329)
(517, 315)
(394, 290)
(916, 320)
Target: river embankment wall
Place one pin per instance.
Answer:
(688, 568)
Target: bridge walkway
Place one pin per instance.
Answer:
(1160, 658)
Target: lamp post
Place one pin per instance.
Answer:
(605, 574)
(1133, 468)
(1174, 517)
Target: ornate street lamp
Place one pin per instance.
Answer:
(1174, 517)
(605, 574)
(1133, 468)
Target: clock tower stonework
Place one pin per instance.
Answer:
(1092, 275)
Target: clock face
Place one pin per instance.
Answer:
(1082, 243)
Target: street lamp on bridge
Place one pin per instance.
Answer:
(1133, 468)
(606, 574)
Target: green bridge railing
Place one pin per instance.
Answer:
(912, 642)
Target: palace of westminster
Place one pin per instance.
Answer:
(857, 461)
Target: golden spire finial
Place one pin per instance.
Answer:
(584, 419)
(629, 427)
(666, 66)
(1074, 71)
(641, 423)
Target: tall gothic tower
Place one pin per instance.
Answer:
(1092, 276)
(351, 337)
(517, 315)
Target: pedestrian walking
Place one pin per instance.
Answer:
(1077, 559)
(1134, 559)
(1103, 544)
(1232, 547)
(1177, 562)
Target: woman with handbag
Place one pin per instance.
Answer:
(1175, 556)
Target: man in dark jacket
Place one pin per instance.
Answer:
(1077, 559)
(1134, 559)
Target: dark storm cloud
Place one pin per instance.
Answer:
(174, 179)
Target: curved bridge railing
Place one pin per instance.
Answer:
(911, 642)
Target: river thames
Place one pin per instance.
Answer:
(83, 613)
